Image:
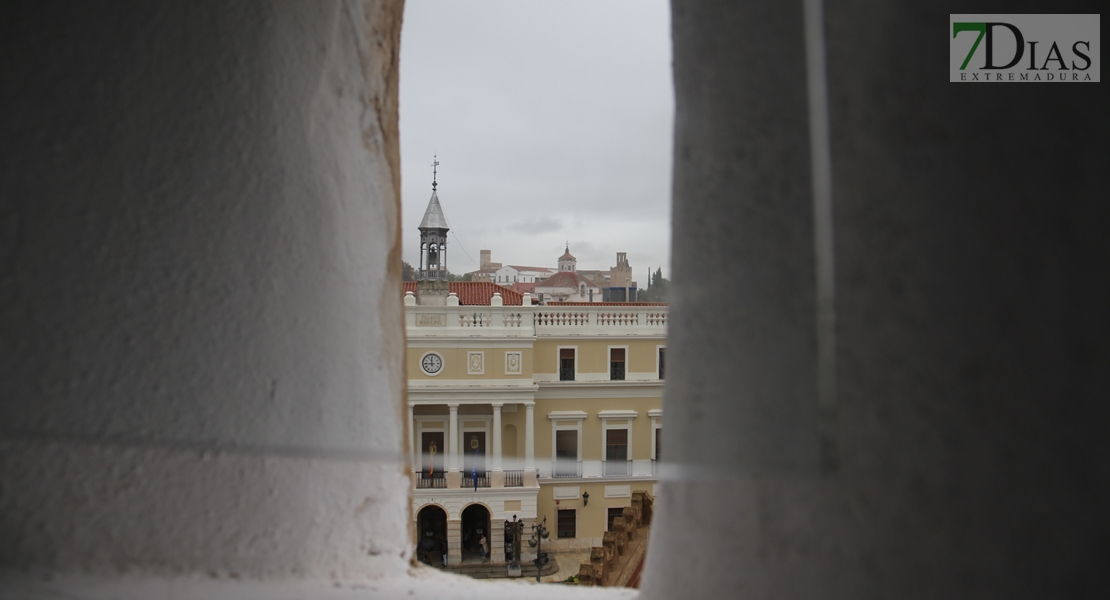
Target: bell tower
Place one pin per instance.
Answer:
(433, 238)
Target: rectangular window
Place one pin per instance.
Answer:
(616, 364)
(568, 521)
(614, 512)
(662, 356)
(658, 443)
(616, 452)
(566, 364)
(566, 453)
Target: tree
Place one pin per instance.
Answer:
(657, 288)
(409, 274)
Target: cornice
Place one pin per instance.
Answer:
(599, 389)
(470, 392)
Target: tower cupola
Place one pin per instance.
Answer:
(567, 262)
(433, 237)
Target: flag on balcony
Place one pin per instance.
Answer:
(474, 469)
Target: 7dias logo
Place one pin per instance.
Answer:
(1024, 48)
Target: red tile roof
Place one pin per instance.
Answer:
(473, 293)
(522, 287)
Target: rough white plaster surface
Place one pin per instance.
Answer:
(202, 341)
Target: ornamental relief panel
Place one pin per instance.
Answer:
(513, 363)
(475, 363)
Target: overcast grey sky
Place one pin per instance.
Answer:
(552, 122)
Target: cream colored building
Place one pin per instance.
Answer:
(530, 411)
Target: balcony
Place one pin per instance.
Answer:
(514, 478)
(468, 480)
(616, 468)
(428, 482)
(566, 468)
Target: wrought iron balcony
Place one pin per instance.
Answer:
(468, 479)
(424, 481)
(616, 371)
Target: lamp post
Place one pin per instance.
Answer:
(515, 529)
(539, 534)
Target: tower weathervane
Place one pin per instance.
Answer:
(435, 163)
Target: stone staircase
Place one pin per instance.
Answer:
(619, 560)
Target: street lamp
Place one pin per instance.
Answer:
(539, 534)
(515, 529)
(585, 498)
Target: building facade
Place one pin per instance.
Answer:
(532, 412)
(510, 274)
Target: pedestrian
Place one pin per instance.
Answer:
(483, 546)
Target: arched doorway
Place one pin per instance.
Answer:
(431, 534)
(475, 525)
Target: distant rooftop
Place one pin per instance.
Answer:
(565, 279)
(476, 293)
(608, 304)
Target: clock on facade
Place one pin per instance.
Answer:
(431, 363)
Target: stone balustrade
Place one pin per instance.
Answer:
(532, 321)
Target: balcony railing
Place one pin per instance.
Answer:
(586, 320)
(428, 482)
(526, 321)
(514, 478)
(566, 372)
(468, 479)
(566, 468)
(616, 371)
(616, 468)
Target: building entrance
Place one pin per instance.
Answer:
(475, 526)
(431, 531)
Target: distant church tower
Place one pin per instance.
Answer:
(567, 262)
(433, 238)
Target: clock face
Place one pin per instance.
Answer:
(431, 363)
